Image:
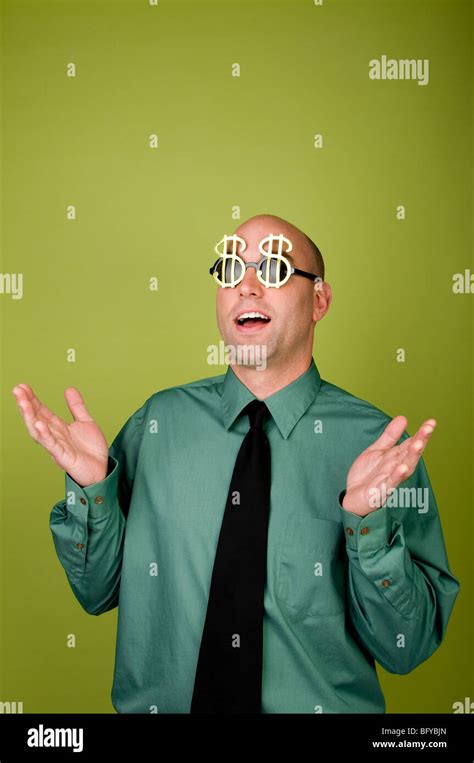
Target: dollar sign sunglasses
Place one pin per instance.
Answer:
(273, 269)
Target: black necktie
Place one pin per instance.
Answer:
(229, 670)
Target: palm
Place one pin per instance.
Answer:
(382, 466)
(82, 446)
(366, 468)
(78, 447)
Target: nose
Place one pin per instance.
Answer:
(250, 283)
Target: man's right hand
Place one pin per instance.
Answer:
(79, 448)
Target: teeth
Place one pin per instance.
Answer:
(252, 315)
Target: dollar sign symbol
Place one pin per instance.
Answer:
(275, 241)
(226, 255)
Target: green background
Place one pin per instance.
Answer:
(224, 143)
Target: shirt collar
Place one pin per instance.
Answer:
(286, 406)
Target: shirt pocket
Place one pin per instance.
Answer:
(312, 566)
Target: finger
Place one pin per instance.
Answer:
(389, 482)
(389, 462)
(76, 404)
(407, 466)
(29, 416)
(413, 455)
(425, 431)
(47, 439)
(391, 434)
(23, 391)
(20, 393)
(421, 436)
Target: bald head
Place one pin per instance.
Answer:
(291, 313)
(299, 239)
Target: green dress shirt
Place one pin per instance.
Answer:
(341, 591)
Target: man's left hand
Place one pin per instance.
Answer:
(383, 465)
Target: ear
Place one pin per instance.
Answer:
(322, 299)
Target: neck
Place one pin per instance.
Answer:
(273, 378)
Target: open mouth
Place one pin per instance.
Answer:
(252, 320)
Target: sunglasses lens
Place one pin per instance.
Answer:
(274, 270)
(228, 270)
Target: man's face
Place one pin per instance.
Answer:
(289, 332)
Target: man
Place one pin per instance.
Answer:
(262, 568)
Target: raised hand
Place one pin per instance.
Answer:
(78, 447)
(383, 465)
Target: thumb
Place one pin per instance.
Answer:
(76, 404)
(391, 434)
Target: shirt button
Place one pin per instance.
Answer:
(99, 499)
(385, 583)
(349, 531)
(83, 500)
(364, 531)
(79, 545)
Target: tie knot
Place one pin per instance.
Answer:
(256, 411)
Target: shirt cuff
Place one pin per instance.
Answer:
(96, 499)
(365, 534)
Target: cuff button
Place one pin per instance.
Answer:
(385, 583)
